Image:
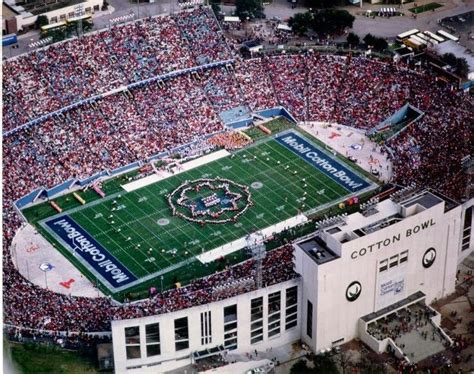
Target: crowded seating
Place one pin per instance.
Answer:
(53, 77)
(288, 74)
(135, 124)
(258, 93)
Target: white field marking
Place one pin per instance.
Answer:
(135, 185)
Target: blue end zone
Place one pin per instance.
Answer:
(322, 161)
(77, 240)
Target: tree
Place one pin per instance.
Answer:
(324, 365)
(450, 59)
(462, 67)
(300, 22)
(380, 44)
(300, 367)
(331, 21)
(343, 19)
(323, 4)
(249, 9)
(41, 21)
(344, 361)
(353, 40)
(369, 40)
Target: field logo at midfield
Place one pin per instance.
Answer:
(320, 160)
(77, 240)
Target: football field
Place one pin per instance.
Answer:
(131, 237)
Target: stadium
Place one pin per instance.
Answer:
(165, 195)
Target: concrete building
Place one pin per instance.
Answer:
(16, 18)
(373, 261)
(255, 320)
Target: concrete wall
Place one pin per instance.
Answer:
(325, 285)
(169, 358)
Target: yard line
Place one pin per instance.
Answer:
(154, 234)
(92, 222)
(140, 222)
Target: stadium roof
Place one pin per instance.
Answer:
(8, 12)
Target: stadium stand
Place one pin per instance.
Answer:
(135, 124)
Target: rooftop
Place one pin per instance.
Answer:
(8, 12)
(317, 250)
(459, 51)
(382, 214)
(414, 298)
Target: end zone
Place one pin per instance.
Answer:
(89, 252)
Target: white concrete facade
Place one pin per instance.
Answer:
(363, 258)
(170, 358)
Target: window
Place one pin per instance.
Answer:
(152, 339)
(181, 333)
(230, 313)
(466, 233)
(256, 309)
(393, 261)
(71, 14)
(230, 327)
(206, 328)
(291, 296)
(274, 314)
(403, 257)
(62, 17)
(309, 320)
(53, 20)
(256, 317)
(291, 307)
(132, 342)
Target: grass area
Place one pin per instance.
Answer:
(38, 358)
(275, 126)
(67, 201)
(177, 243)
(180, 240)
(425, 8)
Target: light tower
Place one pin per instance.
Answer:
(256, 249)
(79, 12)
(467, 164)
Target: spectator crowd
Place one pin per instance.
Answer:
(135, 124)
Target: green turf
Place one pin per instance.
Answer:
(139, 219)
(177, 243)
(425, 8)
(38, 358)
(277, 125)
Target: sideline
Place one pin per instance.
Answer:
(162, 174)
